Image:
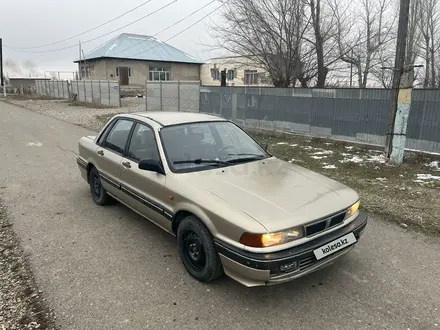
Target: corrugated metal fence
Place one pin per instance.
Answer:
(172, 96)
(359, 115)
(58, 89)
(102, 92)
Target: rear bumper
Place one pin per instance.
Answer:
(255, 269)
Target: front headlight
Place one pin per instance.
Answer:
(272, 239)
(353, 209)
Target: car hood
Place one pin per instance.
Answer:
(275, 193)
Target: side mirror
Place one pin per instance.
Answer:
(151, 165)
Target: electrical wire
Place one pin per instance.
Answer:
(99, 37)
(90, 30)
(184, 30)
(167, 28)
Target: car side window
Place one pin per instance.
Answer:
(118, 136)
(143, 144)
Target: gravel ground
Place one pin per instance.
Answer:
(21, 303)
(79, 115)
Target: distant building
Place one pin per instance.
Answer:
(240, 71)
(133, 59)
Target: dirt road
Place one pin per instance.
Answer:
(107, 268)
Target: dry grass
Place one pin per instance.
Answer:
(396, 193)
(88, 105)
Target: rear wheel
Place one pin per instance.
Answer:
(99, 193)
(197, 250)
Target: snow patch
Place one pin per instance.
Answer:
(325, 152)
(329, 167)
(294, 145)
(349, 148)
(318, 157)
(382, 179)
(427, 177)
(282, 143)
(377, 159)
(435, 165)
(355, 159)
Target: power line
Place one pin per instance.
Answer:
(167, 28)
(90, 30)
(90, 40)
(179, 33)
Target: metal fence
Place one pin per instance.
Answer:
(101, 92)
(172, 96)
(58, 89)
(359, 115)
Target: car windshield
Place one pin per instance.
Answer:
(198, 146)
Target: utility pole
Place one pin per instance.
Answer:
(1, 68)
(401, 97)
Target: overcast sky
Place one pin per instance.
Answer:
(30, 23)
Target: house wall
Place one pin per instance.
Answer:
(106, 69)
(239, 64)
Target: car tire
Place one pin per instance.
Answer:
(99, 194)
(197, 250)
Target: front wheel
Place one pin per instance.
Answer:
(197, 250)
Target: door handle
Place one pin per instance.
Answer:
(126, 164)
(100, 152)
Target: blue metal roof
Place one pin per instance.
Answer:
(140, 47)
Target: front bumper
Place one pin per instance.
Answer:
(255, 269)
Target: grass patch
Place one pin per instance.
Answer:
(396, 193)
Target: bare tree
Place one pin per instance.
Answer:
(267, 32)
(322, 39)
(364, 42)
(429, 23)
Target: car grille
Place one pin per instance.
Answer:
(322, 225)
(307, 262)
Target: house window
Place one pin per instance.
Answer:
(159, 74)
(250, 77)
(215, 74)
(231, 74)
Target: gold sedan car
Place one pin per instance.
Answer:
(234, 208)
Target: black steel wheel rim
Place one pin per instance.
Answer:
(194, 250)
(96, 186)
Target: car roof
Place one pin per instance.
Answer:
(168, 118)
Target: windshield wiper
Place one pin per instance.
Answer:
(201, 161)
(252, 157)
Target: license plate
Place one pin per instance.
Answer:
(335, 246)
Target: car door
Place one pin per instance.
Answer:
(146, 189)
(110, 153)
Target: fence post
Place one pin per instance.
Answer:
(109, 93)
(119, 92)
(178, 95)
(58, 88)
(77, 90)
(100, 92)
(161, 95)
(62, 86)
(91, 85)
(146, 95)
(85, 91)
